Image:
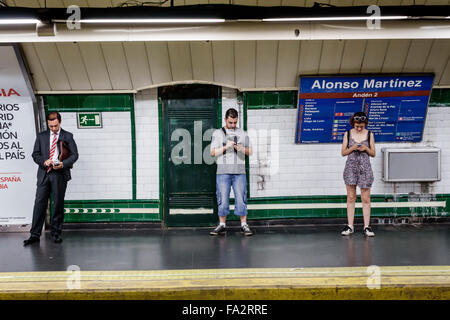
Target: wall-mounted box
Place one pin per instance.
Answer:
(411, 164)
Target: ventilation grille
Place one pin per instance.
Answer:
(191, 114)
(191, 202)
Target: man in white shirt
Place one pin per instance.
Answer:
(230, 145)
(52, 177)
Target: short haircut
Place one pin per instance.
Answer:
(53, 115)
(358, 114)
(231, 113)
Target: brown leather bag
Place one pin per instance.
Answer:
(64, 151)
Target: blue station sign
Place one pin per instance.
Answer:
(396, 106)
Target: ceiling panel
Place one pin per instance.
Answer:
(436, 2)
(158, 55)
(266, 63)
(389, 2)
(374, 56)
(99, 3)
(445, 77)
(52, 3)
(118, 70)
(219, 1)
(202, 62)
(116, 3)
(287, 64)
(396, 54)
(269, 3)
(80, 3)
(341, 3)
(241, 64)
(94, 60)
(223, 62)
(352, 56)
(54, 69)
(309, 58)
(137, 61)
(437, 59)
(310, 3)
(245, 2)
(27, 3)
(331, 56)
(74, 66)
(417, 55)
(364, 2)
(293, 3)
(244, 59)
(192, 2)
(180, 61)
(38, 77)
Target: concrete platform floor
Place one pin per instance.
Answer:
(295, 262)
(270, 247)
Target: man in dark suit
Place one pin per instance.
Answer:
(52, 177)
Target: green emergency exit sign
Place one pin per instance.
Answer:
(89, 120)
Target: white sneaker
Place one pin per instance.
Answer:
(368, 232)
(347, 231)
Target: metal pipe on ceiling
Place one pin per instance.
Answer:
(231, 31)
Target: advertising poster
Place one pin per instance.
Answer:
(396, 106)
(17, 135)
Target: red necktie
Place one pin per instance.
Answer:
(52, 150)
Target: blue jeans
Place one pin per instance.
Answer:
(224, 182)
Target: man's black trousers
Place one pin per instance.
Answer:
(54, 184)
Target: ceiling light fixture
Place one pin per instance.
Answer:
(147, 20)
(336, 18)
(19, 21)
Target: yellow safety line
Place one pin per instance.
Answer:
(409, 282)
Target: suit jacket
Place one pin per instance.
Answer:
(41, 153)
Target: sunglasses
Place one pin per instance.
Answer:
(360, 118)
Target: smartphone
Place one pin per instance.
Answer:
(56, 162)
(359, 144)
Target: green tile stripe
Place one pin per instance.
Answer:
(111, 204)
(110, 217)
(270, 99)
(111, 210)
(440, 98)
(337, 207)
(89, 102)
(306, 207)
(288, 99)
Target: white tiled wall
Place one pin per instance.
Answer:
(229, 100)
(103, 169)
(147, 144)
(316, 169)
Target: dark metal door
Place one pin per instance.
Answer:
(190, 116)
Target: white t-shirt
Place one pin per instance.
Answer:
(231, 162)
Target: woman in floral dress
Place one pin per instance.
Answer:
(358, 145)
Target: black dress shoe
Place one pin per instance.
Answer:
(57, 238)
(31, 240)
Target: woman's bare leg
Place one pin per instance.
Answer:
(351, 199)
(365, 198)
